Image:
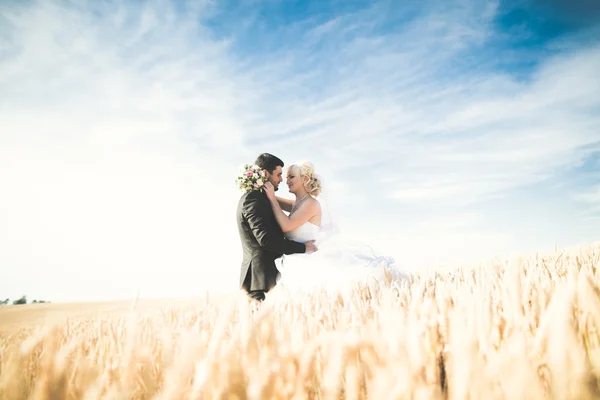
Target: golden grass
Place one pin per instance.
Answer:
(527, 329)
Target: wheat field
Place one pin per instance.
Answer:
(524, 329)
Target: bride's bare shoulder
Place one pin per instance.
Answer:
(314, 203)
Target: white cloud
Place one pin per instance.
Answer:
(590, 200)
(591, 196)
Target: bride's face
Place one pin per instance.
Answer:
(293, 181)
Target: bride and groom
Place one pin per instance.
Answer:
(295, 250)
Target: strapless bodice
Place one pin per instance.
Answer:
(304, 233)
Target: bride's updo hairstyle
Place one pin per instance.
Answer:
(306, 168)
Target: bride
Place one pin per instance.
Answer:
(338, 264)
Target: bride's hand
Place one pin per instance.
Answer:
(270, 190)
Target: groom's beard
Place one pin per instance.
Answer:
(275, 185)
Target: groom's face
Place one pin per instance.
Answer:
(276, 177)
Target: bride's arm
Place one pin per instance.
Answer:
(306, 211)
(285, 204)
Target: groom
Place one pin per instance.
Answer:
(262, 239)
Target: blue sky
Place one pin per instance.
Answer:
(447, 132)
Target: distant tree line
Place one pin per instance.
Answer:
(22, 300)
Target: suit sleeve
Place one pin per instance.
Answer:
(256, 212)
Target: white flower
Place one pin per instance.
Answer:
(259, 182)
(255, 176)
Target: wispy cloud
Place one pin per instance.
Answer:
(589, 199)
(423, 108)
(123, 125)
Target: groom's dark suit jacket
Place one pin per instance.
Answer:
(262, 242)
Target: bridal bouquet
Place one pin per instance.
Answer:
(251, 178)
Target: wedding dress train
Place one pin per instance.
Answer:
(338, 265)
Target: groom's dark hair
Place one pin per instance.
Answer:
(268, 161)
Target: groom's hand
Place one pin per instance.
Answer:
(310, 247)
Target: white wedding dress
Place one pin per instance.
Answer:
(337, 266)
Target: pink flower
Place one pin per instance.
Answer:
(256, 185)
(249, 174)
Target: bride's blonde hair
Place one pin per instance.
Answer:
(306, 168)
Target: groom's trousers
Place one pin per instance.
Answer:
(257, 295)
(254, 294)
